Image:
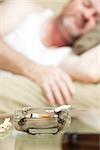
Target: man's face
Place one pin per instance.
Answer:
(80, 16)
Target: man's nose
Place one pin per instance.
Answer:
(89, 14)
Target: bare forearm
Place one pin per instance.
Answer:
(11, 14)
(85, 68)
(89, 63)
(12, 61)
(56, 84)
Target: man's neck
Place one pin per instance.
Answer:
(52, 36)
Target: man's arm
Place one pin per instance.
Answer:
(56, 84)
(13, 61)
(89, 65)
(84, 68)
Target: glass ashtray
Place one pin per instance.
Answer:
(42, 120)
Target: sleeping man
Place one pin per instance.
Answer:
(33, 42)
(42, 37)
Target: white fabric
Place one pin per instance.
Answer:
(26, 40)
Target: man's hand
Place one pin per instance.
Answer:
(56, 84)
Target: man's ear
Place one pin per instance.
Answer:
(87, 41)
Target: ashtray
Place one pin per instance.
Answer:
(42, 120)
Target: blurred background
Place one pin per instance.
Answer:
(56, 5)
